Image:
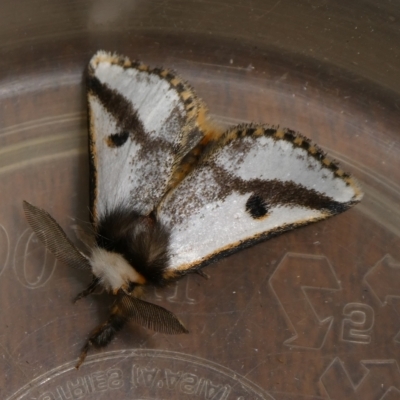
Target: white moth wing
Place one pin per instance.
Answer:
(142, 123)
(255, 182)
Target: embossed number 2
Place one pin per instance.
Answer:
(359, 322)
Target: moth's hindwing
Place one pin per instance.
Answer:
(255, 182)
(142, 123)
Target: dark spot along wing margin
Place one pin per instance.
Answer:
(150, 315)
(53, 237)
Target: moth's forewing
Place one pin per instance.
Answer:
(256, 181)
(142, 123)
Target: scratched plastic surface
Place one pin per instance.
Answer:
(313, 314)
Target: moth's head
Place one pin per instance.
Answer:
(114, 271)
(130, 248)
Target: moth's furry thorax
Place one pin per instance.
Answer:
(130, 248)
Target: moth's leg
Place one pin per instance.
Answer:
(202, 274)
(90, 289)
(103, 334)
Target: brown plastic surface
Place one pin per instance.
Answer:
(312, 314)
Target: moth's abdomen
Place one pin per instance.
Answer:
(103, 335)
(125, 236)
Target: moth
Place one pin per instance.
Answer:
(171, 192)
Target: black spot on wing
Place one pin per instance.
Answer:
(290, 135)
(118, 139)
(270, 131)
(180, 87)
(256, 206)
